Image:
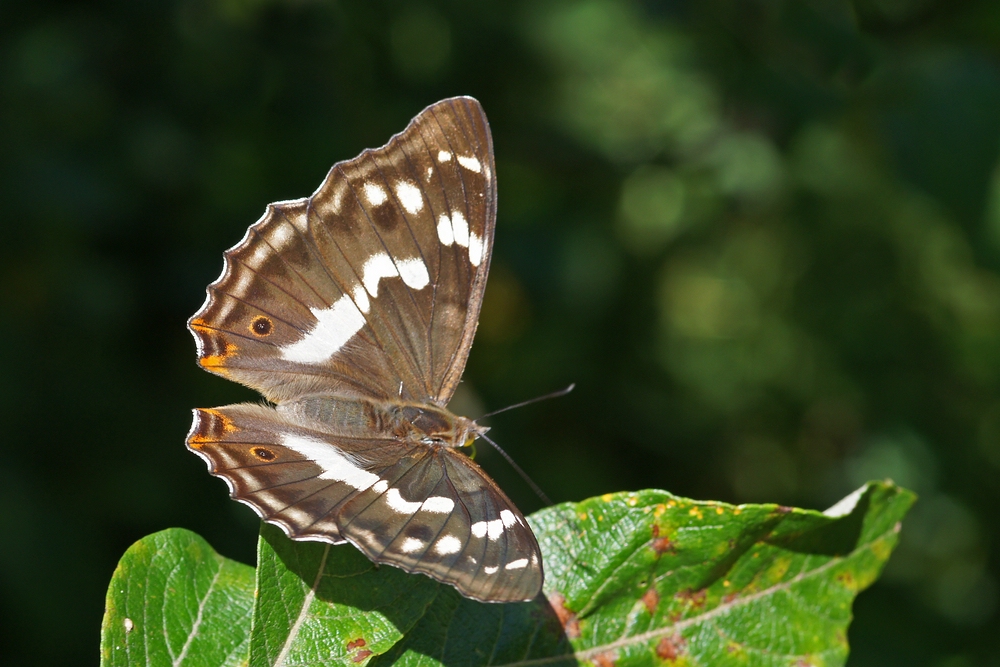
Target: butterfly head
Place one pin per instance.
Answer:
(432, 425)
(469, 431)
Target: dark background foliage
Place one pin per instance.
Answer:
(763, 238)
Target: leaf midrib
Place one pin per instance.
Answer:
(198, 618)
(303, 612)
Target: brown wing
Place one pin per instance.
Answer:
(423, 509)
(372, 286)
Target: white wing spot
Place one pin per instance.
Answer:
(361, 298)
(242, 286)
(490, 569)
(259, 254)
(411, 544)
(410, 197)
(449, 544)
(280, 235)
(430, 172)
(516, 564)
(479, 529)
(296, 515)
(445, 233)
(470, 163)
(413, 271)
(444, 156)
(494, 529)
(438, 505)
(508, 518)
(398, 503)
(380, 486)
(377, 267)
(475, 249)
(266, 497)
(334, 463)
(461, 228)
(374, 194)
(338, 199)
(334, 327)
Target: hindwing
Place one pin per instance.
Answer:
(423, 509)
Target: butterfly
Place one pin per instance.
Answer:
(353, 311)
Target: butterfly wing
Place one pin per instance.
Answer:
(423, 509)
(372, 286)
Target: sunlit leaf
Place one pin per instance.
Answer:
(323, 604)
(632, 578)
(174, 601)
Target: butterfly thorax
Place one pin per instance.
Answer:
(421, 423)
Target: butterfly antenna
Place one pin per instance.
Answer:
(555, 394)
(524, 475)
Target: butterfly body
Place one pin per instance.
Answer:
(414, 423)
(352, 311)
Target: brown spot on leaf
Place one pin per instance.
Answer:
(726, 599)
(651, 599)
(661, 544)
(693, 598)
(604, 660)
(784, 509)
(567, 618)
(357, 643)
(669, 648)
(360, 656)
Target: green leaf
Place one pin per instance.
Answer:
(641, 578)
(174, 601)
(323, 604)
(649, 578)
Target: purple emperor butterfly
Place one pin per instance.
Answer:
(353, 312)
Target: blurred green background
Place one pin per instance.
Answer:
(762, 236)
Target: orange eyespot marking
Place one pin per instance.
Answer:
(261, 326)
(263, 453)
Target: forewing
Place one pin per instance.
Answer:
(423, 509)
(372, 286)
